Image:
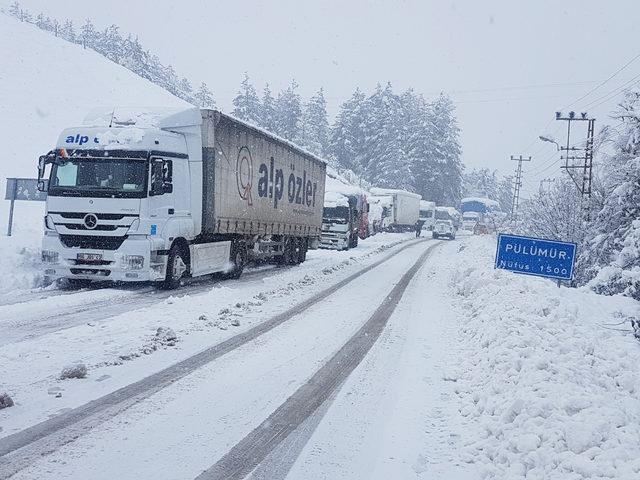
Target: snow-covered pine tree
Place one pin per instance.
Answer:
(246, 104)
(288, 113)
(89, 36)
(204, 97)
(610, 258)
(346, 144)
(417, 134)
(110, 43)
(69, 31)
(481, 183)
(448, 186)
(56, 29)
(186, 90)
(14, 9)
(388, 165)
(267, 108)
(315, 132)
(133, 57)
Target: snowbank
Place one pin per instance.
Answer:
(549, 377)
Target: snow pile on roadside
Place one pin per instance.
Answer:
(549, 376)
(20, 262)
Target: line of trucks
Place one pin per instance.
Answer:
(162, 194)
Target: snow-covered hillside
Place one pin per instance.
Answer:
(47, 84)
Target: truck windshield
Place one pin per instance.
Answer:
(336, 214)
(99, 177)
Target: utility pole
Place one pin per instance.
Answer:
(517, 186)
(585, 164)
(545, 180)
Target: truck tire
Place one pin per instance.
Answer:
(302, 253)
(238, 260)
(176, 267)
(289, 256)
(434, 235)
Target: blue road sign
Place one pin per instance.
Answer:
(536, 256)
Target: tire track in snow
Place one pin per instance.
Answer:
(250, 452)
(20, 449)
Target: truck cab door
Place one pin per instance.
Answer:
(161, 199)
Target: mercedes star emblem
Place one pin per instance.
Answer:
(90, 221)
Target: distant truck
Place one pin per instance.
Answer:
(427, 214)
(475, 210)
(403, 212)
(159, 195)
(344, 220)
(379, 213)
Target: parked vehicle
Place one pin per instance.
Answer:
(164, 194)
(470, 220)
(449, 213)
(380, 212)
(341, 221)
(403, 211)
(427, 214)
(444, 228)
(480, 229)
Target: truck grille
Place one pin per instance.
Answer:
(79, 226)
(92, 242)
(101, 216)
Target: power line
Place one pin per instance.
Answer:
(602, 83)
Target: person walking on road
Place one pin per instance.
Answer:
(419, 225)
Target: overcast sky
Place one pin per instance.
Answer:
(508, 65)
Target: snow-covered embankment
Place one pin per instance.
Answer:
(549, 376)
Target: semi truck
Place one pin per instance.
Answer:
(158, 195)
(476, 210)
(427, 214)
(341, 222)
(403, 212)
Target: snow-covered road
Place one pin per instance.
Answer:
(476, 374)
(215, 406)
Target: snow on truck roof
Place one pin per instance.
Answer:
(390, 191)
(486, 201)
(338, 184)
(168, 118)
(334, 199)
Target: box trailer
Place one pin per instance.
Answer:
(404, 211)
(159, 194)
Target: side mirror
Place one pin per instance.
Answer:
(43, 185)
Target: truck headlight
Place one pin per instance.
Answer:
(48, 222)
(49, 256)
(132, 262)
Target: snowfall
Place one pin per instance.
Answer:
(478, 374)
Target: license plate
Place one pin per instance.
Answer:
(89, 257)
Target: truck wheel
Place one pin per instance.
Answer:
(434, 235)
(176, 267)
(238, 260)
(289, 256)
(302, 253)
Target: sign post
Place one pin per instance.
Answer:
(21, 189)
(536, 256)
